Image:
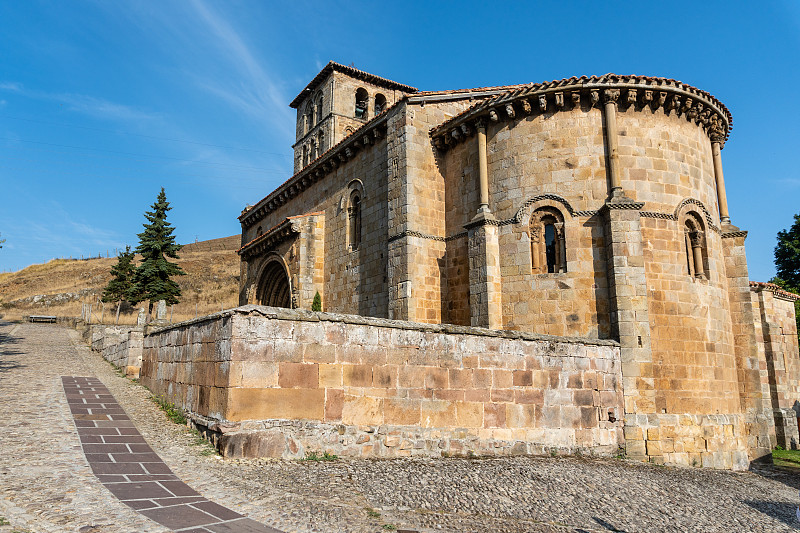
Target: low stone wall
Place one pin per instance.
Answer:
(120, 345)
(277, 382)
(708, 440)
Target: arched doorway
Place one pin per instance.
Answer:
(273, 288)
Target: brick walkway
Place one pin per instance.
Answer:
(126, 465)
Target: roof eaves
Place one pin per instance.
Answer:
(351, 71)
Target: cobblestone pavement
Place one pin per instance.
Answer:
(46, 485)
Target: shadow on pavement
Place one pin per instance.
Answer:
(785, 512)
(8, 351)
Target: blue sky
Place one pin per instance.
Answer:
(102, 103)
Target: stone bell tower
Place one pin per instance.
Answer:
(338, 101)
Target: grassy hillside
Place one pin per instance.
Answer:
(59, 287)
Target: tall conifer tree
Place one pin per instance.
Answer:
(152, 279)
(119, 287)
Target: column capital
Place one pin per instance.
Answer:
(610, 96)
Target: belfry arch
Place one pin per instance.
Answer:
(274, 288)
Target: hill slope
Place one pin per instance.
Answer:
(59, 287)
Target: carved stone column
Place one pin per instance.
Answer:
(696, 239)
(717, 139)
(484, 250)
(562, 249)
(610, 97)
(483, 169)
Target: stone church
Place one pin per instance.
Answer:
(584, 208)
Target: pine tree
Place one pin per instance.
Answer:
(119, 287)
(151, 280)
(316, 305)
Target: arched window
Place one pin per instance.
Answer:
(306, 155)
(362, 102)
(548, 245)
(695, 245)
(354, 220)
(314, 150)
(319, 108)
(380, 104)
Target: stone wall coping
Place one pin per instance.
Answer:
(759, 286)
(301, 315)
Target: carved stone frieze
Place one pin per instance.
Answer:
(693, 104)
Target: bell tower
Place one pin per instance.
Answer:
(338, 101)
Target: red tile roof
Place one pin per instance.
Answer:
(774, 289)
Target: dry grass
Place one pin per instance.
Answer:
(63, 286)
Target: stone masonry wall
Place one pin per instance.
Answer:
(284, 382)
(121, 346)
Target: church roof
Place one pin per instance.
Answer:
(775, 289)
(350, 71)
(634, 85)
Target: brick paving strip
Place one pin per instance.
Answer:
(126, 465)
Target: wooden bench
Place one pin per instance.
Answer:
(41, 318)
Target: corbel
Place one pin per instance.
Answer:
(348, 152)
(510, 111)
(466, 130)
(526, 106)
(595, 97)
(543, 102)
(455, 133)
(576, 99)
(647, 97)
(493, 115)
(662, 98)
(560, 100)
(632, 94)
(610, 95)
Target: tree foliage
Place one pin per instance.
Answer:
(152, 278)
(787, 255)
(119, 288)
(316, 305)
(787, 262)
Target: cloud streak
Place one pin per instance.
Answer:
(81, 103)
(259, 94)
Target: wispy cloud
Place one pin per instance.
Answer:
(81, 103)
(788, 182)
(254, 90)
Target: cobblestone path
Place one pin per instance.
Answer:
(47, 485)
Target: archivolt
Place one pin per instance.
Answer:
(525, 211)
